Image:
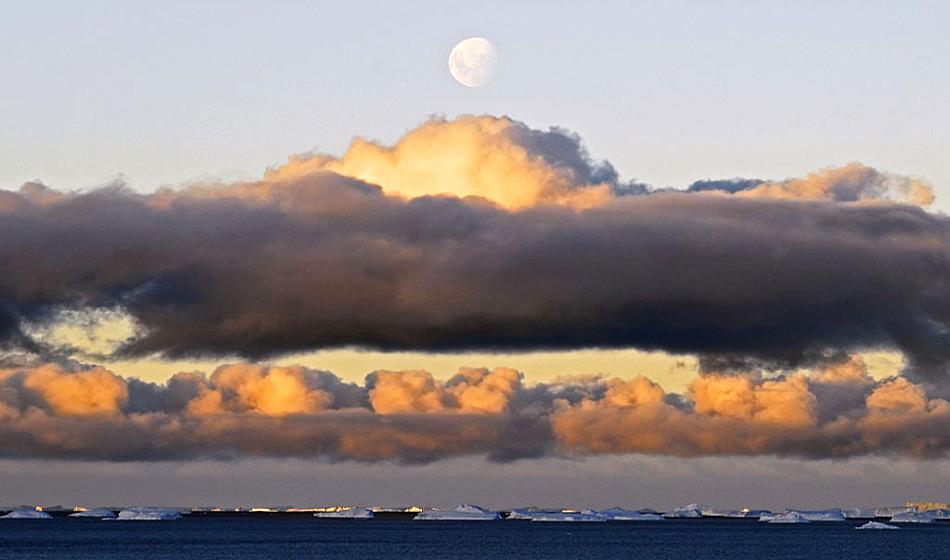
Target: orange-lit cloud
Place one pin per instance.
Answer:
(410, 416)
(852, 182)
(494, 158)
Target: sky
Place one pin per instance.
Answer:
(289, 221)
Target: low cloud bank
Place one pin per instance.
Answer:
(246, 410)
(481, 233)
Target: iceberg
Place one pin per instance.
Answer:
(692, 510)
(148, 514)
(568, 517)
(876, 525)
(860, 513)
(27, 514)
(912, 517)
(97, 513)
(756, 513)
(345, 513)
(822, 515)
(892, 511)
(787, 517)
(462, 512)
(620, 514)
(526, 514)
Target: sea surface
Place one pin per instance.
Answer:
(285, 538)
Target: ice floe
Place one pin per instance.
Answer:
(876, 525)
(462, 512)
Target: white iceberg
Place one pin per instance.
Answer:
(822, 515)
(568, 517)
(620, 514)
(876, 525)
(756, 513)
(787, 517)
(526, 514)
(27, 514)
(148, 514)
(462, 512)
(860, 513)
(892, 511)
(346, 513)
(692, 510)
(912, 517)
(97, 513)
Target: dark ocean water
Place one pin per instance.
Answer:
(283, 538)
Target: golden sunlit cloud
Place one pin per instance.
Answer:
(410, 415)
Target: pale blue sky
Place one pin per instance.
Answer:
(164, 92)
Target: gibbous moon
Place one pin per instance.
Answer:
(473, 61)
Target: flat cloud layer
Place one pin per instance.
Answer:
(483, 234)
(245, 410)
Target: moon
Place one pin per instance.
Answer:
(473, 61)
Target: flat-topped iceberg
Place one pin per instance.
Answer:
(787, 517)
(462, 512)
(148, 514)
(97, 513)
(346, 513)
(27, 514)
(876, 525)
(912, 517)
(620, 514)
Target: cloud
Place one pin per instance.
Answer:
(394, 392)
(253, 410)
(849, 183)
(498, 159)
(93, 392)
(272, 391)
(376, 249)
